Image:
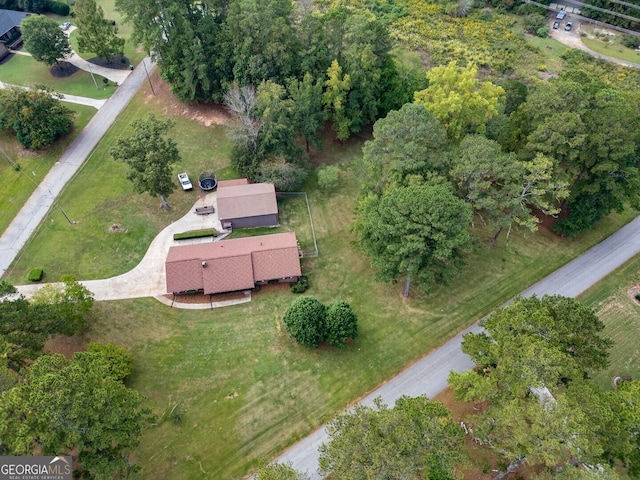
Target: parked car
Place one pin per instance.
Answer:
(185, 183)
(568, 27)
(65, 26)
(556, 25)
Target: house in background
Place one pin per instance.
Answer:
(233, 265)
(243, 205)
(10, 21)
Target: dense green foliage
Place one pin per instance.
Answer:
(341, 323)
(304, 320)
(44, 39)
(95, 414)
(419, 231)
(37, 117)
(416, 439)
(149, 155)
(35, 275)
(279, 471)
(532, 368)
(95, 33)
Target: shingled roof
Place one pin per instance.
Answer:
(231, 265)
(10, 19)
(250, 200)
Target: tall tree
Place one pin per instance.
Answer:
(74, 404)
(409, 141)
(37, 116)
(459, 100)
(419, 231)
(307, 115)
(417, 439)
(95, 33)
(149, 154)
(335, 96)
(44, 39)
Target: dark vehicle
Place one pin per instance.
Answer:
(556, 25)
(568, 27)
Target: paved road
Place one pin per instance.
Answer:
(43, 198)
(428, 376)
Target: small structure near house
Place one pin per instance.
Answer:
(207, 181)
(233, 265)
(247, 205)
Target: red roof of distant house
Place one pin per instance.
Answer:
(233, 182)
(231, 265)
(249, 200)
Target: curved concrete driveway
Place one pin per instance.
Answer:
(428, 376)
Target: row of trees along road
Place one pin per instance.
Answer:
(535, 404)
(51, 405)
(515, 150)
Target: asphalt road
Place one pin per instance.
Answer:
(428, 376)
(43, 198)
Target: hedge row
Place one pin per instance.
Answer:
(208, 232)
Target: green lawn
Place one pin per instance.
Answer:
(621, 314)
(24, 70)
(609, 45)
(18, 185)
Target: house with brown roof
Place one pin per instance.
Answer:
(233, 265)
(243, 205)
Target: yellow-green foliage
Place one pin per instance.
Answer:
(486, 42)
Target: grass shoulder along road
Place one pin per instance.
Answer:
(25, 71)
(18, 185)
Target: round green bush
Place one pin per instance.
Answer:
(305, 321)
(341, 323)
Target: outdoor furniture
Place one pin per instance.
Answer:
(206, 210)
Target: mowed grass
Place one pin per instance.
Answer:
(101, 196)
(247, 391)
(614, 302)
(18, 185)
(610, 45)
(25, 71)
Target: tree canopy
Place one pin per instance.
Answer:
(420, 231)
(305, 320)
(44, 39)
(149, 155)
(95, 33)
(37, 116)
(416, 439)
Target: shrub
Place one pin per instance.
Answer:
(341, 323)
(534, 22)
(35, 275)
(286, 177)
(305, 321)
(301, 285)
(543, 32)
(58, 8)
(631, 41)
(207, 232)
(119, 360)
(328, 178)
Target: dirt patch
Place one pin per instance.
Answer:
(64, 345)
(116, 227)
(632, 292)
(63, 69)
(206, 113)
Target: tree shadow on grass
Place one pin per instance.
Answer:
(63, 69)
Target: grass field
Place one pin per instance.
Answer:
(613, 301)
(25, 71)
(18, 185)
(609, 45)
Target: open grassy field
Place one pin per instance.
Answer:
(614, 302)
(25, 71)
(609, 43)
(18, 185)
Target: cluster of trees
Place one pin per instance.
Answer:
(37, 117)
(538, 407)
(95, 33)
(533, 366)
(36, 6)
(310, 322)
(467, 150)
(93, 412)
